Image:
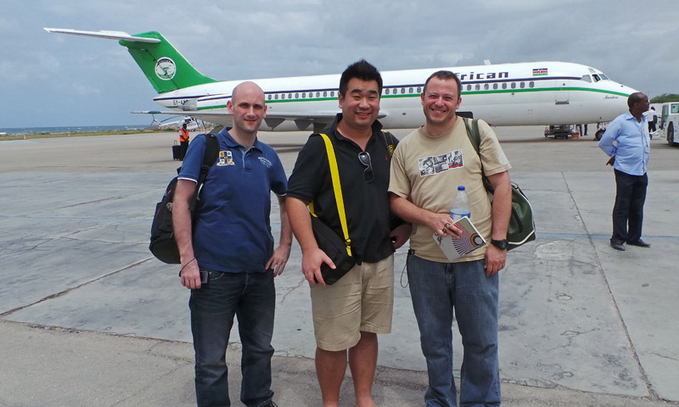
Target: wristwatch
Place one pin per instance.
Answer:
(500, 244)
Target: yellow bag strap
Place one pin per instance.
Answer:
(337, 189)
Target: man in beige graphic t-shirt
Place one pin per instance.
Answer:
(427, 167)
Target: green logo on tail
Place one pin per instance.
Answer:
(165, 68)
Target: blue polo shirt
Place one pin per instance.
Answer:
(232, 231)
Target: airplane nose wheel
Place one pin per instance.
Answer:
(598, 134)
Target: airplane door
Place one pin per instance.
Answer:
(562, 94)
(664, 115)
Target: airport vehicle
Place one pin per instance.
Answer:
(600, 130)
(561, 131)
(669, 120)
(518, 94)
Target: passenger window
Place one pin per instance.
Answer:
(495, 86)
(531, 84)
(504, 85)
(513, 85)
(522, 85)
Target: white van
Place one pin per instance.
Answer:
(669, 120)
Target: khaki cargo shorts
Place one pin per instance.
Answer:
(362, 300)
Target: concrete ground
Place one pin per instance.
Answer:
(88, 317)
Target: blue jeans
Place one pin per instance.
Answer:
(439, 291)
(252, 298)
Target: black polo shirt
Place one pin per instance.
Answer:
(366, 203)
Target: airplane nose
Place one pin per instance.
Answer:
(631, 90)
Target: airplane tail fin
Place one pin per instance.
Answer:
(163, 65)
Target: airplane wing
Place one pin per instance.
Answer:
(272, 121)
(221, 118)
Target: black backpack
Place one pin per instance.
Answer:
(163, 246)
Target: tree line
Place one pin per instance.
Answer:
(665, 97)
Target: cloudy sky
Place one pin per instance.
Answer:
(59, 80)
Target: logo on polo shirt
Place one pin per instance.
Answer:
(266, 162)
(225, 158)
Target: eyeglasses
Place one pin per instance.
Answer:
(368, 174)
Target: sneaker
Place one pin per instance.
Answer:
(270, 403)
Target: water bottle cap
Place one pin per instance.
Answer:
(460, 188)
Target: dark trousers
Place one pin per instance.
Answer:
(628, 212)
(183, 146)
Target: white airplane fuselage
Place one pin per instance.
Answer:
(534, 93)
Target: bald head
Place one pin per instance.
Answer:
(250, 89)
(248, 110)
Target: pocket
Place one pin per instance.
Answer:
(212, 275)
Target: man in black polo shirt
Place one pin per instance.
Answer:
(349, 314)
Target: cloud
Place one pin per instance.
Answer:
(26, 69)
(229, 39)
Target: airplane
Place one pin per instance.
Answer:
(514, 94)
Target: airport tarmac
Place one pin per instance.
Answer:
(88, 317)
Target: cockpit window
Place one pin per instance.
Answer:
(603, 77)
(586, 78)
(596, 77)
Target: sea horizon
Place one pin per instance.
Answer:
(69, 129)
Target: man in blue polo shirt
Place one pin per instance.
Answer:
(627, 142)
(229, 244)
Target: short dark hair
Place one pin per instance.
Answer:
(444, 75)
(360, 70)
(636, 97)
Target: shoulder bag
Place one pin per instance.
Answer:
(336, 247)
(521, 224)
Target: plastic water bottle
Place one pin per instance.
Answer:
(460, 205)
